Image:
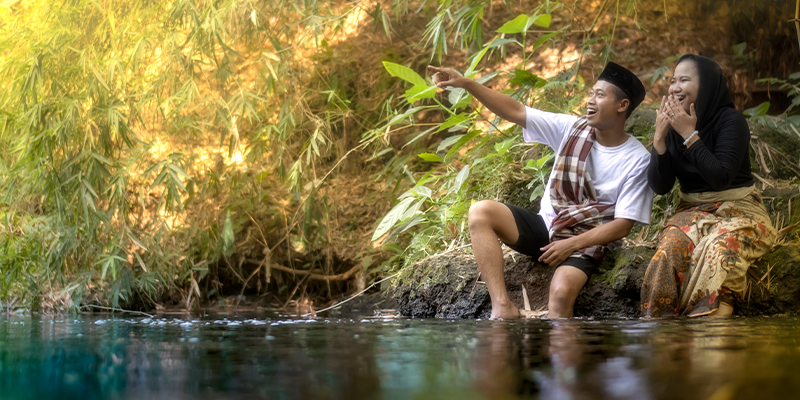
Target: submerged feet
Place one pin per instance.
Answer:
(505, 311)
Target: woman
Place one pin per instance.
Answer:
(721, 225)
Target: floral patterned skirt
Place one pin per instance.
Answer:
(703, 256)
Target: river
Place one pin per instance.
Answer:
(268, 356)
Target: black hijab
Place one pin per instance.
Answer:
(713, 100)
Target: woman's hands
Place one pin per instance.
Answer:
(662, 127)
(445, 77)
(672, 113)
(682, 122)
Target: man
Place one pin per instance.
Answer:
(596, 191)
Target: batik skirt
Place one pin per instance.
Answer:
(703, 255)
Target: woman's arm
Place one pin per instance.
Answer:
(720, 167)
(660, 175)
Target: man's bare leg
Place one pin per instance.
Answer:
(564, 288)
(489, 221)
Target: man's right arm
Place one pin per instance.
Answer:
(502, 105)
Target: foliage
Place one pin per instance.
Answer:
(98, 205)
(443, 180)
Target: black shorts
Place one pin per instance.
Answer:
(533, 235)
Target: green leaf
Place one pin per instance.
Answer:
(462, 142)
(99, 78)
(391, 218)
(547, 37)
(502, 41)
(502, 147)
(738, 49)
(423, 191)
(406, 114)
(420, 92)
(460, 179)
(421, 134)
(541, 20)
(130, 236)
(456, 96)
(404, 73)
(447, 142)
(479, 56)
(527, 80)
(465, 101)
(453, 121)
(537, 192)
(430, 157)
(516, 25)
(757, 111)
(228, 246)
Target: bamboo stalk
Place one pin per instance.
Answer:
(797, 20)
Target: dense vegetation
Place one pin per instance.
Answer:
(182, 152)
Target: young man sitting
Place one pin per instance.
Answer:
(596, 191)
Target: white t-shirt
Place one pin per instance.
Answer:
(619, 173)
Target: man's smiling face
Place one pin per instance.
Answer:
(603, 104)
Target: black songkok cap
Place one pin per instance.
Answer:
(620, 77)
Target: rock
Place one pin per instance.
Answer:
(446, 286)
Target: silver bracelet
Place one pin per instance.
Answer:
(690, 137)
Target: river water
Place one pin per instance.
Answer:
(275, 357)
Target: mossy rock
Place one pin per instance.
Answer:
(641, 123)
(446, 286)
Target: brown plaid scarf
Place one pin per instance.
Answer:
(572, 192)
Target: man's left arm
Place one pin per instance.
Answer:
(557, 252)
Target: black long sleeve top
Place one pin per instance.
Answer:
(718, 161)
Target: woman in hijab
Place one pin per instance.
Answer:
(721, 225)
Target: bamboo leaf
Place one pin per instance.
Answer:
(420, 92)
(404, 73)
(430, 157)
(99, 78)
(539, 42)
(516, 25)
(423, 191)
(460, 179)
(391, 218)
(136, 242)
(227, 236)
(462, 141)
(447, 142)
(452, 121)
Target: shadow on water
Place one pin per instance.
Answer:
(270, 357)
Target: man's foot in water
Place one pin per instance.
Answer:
(505, 311)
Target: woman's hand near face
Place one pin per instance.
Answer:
(682, 122)
(662, 127)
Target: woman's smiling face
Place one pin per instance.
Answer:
(685, 84)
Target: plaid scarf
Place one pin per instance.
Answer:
(572, 193)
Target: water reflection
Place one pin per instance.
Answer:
(249, 357)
